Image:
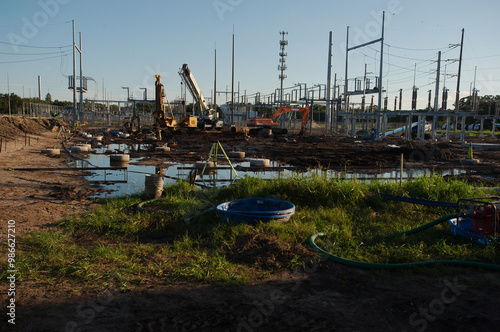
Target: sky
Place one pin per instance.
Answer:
(124, 43)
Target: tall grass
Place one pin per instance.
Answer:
(116, 244)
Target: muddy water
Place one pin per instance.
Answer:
(131, 180)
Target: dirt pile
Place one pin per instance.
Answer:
(10, 127)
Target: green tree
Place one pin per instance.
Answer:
(16, 103)
(48, 98)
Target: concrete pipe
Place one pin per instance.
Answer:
(86, 147)
(162, 149)
(79, 148)
(118, 163)
(236, 154)
(260, 162)
(119, 157)
(51, 152)
(239, 130)
(153, 186)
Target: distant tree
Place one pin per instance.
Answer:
(62, 103)
(16, 103)
(487, 104)
(48, 98)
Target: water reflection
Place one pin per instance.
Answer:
(130, 179)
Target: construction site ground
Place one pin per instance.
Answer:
(322, 297)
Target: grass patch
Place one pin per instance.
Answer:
(119, 245)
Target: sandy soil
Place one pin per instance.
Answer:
(37, 199)
(323, 297)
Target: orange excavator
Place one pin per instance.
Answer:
(258, 125)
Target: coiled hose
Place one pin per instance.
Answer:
(367, 265)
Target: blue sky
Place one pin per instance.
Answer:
(126, 42)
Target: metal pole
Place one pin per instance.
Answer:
(81, 79)
(232, 86)
(75, 116)
(8, 93)
(436, 97)
(334, 119)
(438, 74)
(457, 99)
(39, 88)
(380, 78)
(215, 81)
(346, 69)
(329, 84)
(400, 98)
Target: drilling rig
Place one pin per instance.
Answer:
(209, 117)
(160, 115)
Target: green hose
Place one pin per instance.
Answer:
(367, 265)
(143, 209)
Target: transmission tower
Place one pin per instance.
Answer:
(282, 65)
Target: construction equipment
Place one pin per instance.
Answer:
(161, 119)
(132, 125)
(209, 117)
(260, 125)
(485, 214)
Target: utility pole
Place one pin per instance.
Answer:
(400, 98)
(81, 79)
(429, 101)
(75, 116)
(8, 94)
(329, 85)
(380, 74)
(232, 87)
(444, 102)
(438, 74)
(414, 91)
(346, 107)
(215, 79)
(282, 66)
(39, 88)
(436, 97)
(457, 99)
(475, 105)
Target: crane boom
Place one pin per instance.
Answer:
(188, 79)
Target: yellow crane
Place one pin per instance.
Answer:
(161, 118)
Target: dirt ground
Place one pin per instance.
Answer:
(324, 296)
(36, 199)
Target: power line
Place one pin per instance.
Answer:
(47, 53)
(28, 46)
(20, 26)
(482, 57)
(31, 60)
(415, 49)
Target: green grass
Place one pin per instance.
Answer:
(117, 245)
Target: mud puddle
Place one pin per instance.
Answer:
(129, 178)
